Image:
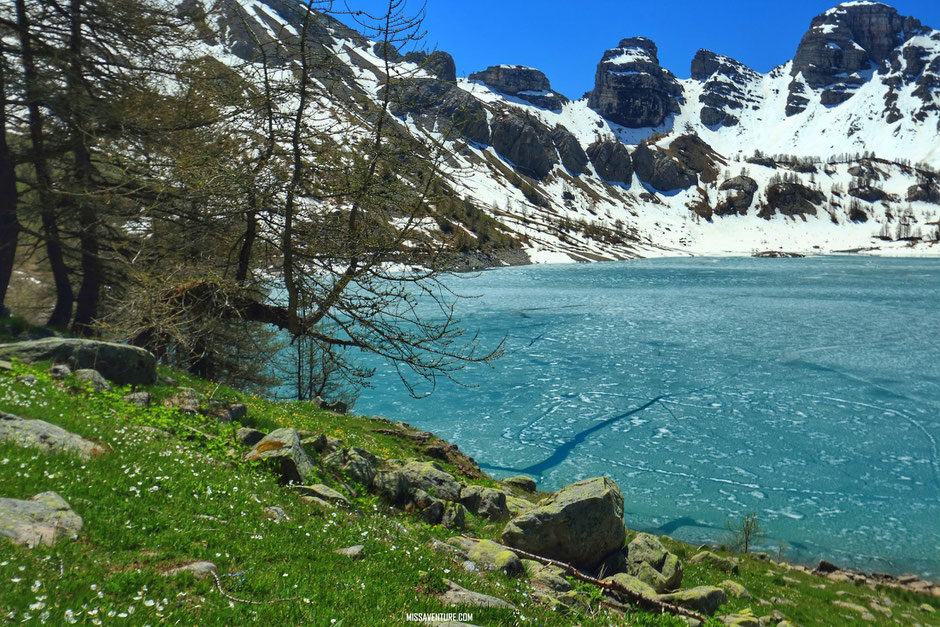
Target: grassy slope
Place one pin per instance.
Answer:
(158, 501)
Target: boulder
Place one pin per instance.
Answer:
(650, 561)
(485, 502)
(249, 437)
(42, 520)
(454, 516)
(704, 599)
(633, 585)
(119, 363)
(356, 463)
(742, 190)
(141, 399)
(322, 443)
(324, 493)
(734, 589)
(548, 577)
(282, 450)
(458, 596)
(227, 412)
(356, 552)
(581, 524)
(391, 485)
(611, 160)
(47, 437)
(431, 478)
(517, 506)
(489, 554)
(187, 400)
(522, 482)
(199, 570)
(722, 563)
(93, 377)
(59, 371)
(739, 620)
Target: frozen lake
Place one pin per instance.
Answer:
(806, 390)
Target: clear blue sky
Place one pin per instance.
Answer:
(566, 39)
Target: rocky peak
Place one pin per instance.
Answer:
(729, 86)
(630, 87)
(523, 82)
(842, 45)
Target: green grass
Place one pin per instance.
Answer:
(158, 500)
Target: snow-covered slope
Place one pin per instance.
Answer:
(835, 151)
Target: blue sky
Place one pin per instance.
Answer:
(566, 39)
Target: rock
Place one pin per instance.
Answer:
(926, 607)
(728, 88)
(485, 502)
(448, 549)
(722, 563)
(742, 190)
(569, 149)
(869, 193)
(490, 555)
(704, 599)
(120, 363)
(734, 589)
(547, 577)
(324, 493)
(47, 437)
(456, 595)
(517, 506)
(924, 191)
(527, 484)
(432, 102)
(228, 412)
(352, 552)
(430, 477)
(633, 585)
(141, 399)
(7, 366)
(322, 443)
(391, 485)
(581, 524)
(524, 141)
(356, 463)
(791, 199)
(454, 516)
(282, 450)
(275, 513)
(42, 520)
(659, 169)
(317, 501)
(650, 561)
(862, 610)
(249, 437)
(187, 400)
(432, 511)
(825, 567)
(59, 372)
(612, 161)
(739, 620)
(522, 82)
(387, 50)
(98, 382)
(199, 570)
(631, 89)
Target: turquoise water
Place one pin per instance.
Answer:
(806, 390)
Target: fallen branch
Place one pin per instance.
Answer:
(218, 585)
(636, 597)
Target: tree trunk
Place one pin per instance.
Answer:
(9, 226)
(89, 292)
(62, 312)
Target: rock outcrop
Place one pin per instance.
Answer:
(612, 161)
(728, 88)
(47, 437)
(522, 82)
(580, 524)
(741, 190)
(656, 167)
(431, 478)
(524, 141)
(791, 199)
(630, 87)
(283, 451)
(120, 363)
(42, 520)
(430, 100)
(840, 47)
(650, 562)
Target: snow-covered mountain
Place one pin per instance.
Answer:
(837, 150)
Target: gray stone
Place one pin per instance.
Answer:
(612, 161)
(454, 516)
(356, 463)
(59, 372)
(430, 477)
(722, 563)
(98, 382)
(356, 552)
(581, 524)
(47, 437)
(632, 585)
(42, 520)
(275, 513)
(249, 437)
(742, 190)
(459, 596)
(791, 199)
(704, 599)
(489, 554)
(548, 577)
(734, 589)
(141, 399)
(522, 82)
(187, 400)
(281, 449)
(522, 482)
(391, 485)
(120, 363)
(485, 502)
(658, 168)
(324, 493)
(525, 141)
(199, 570)
(323, 443)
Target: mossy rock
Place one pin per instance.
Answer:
(704, 599)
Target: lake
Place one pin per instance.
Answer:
(805, 390)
